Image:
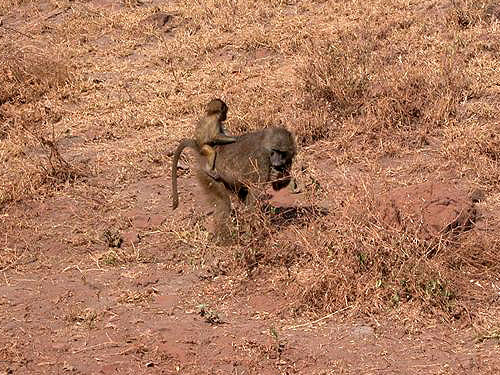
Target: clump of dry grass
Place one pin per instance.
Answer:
(29, 152)
(82, 316)
(32, 161)
(7, 5)
(137, 297)
(351, 259)
(369, 95)
(117, 257)
(10, 352)
(465, 14)
(26, 74)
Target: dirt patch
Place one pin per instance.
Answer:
(430, 209)
(97, 273)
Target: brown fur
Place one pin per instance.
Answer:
(210, 132)
(243, 167)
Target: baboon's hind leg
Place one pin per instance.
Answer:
(209, 166)
(218, 197)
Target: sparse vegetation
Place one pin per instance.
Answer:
(380, 94)
(82, 316)
(211, 316)
(492, 335)
(117, 257)
(137, 297)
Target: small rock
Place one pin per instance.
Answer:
(362, 331)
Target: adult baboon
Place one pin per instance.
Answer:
(243, 168)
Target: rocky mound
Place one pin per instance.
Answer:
(429, 209)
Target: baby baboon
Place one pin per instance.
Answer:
(210, 132)
(243, 168)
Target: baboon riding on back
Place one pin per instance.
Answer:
(242, 166)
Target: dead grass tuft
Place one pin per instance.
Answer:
(29, 152)
(489, 335)
(7, 5)
(87, 316)
(32, 160)
(351, 259)
(117, 257)
(359, 263)
(369, 93)
(26, 73)
(12, 353)
(465, 14)
(254, 228)
(137, 297)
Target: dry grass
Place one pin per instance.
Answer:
(29, 152)
(360, 81)
(351, 259)
(7, 5)
(82, 316)
(27, 74)
(375, 269)
(136, 297)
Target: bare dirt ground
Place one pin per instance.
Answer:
(70, 306)
(99, 276)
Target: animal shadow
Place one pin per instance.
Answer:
(284, 216)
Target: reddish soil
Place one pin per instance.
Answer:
(100, 276)
(65, 311)
(433, 208)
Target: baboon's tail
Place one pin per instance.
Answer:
(184, 143)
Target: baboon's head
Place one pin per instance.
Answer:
(282, 149)
(217, 107)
